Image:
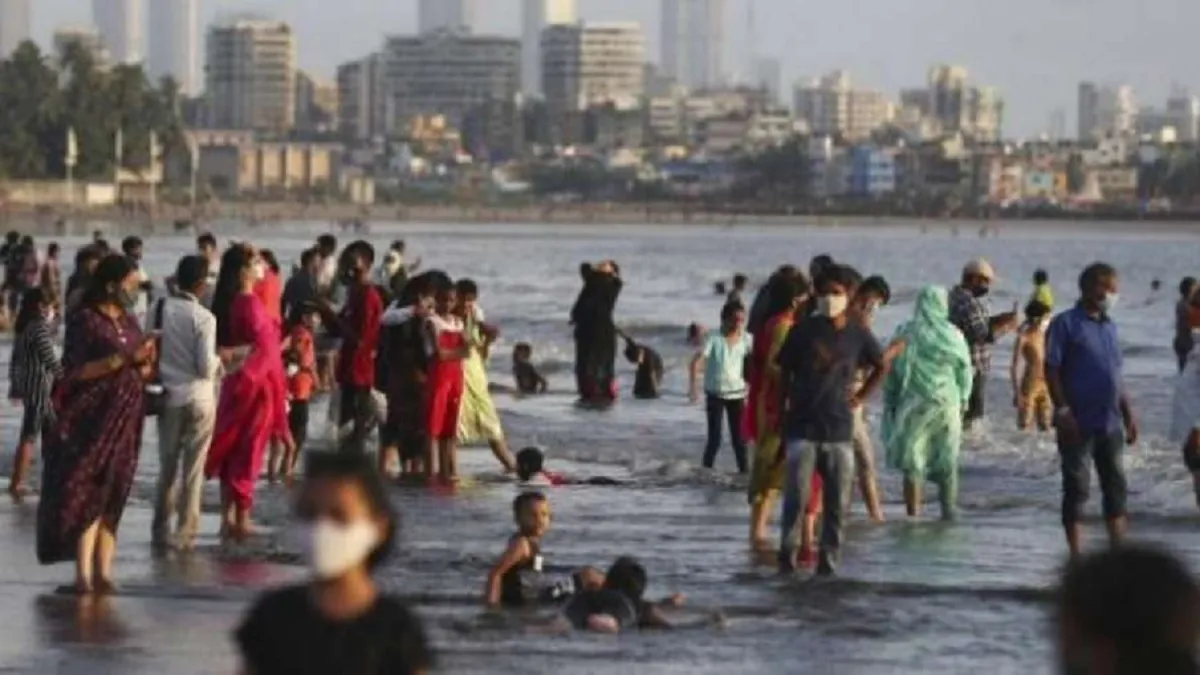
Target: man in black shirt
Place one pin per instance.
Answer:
(818, 364)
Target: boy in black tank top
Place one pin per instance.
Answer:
(518, 578)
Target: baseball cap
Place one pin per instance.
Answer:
(980, 267)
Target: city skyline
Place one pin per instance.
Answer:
(1037, 65)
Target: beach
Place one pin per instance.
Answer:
(927, 597)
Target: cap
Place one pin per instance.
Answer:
(980, 268)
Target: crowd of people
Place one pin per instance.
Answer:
(228, 360)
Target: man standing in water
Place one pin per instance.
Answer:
(818, 364)
(1092, 413)
(206, 246)
(969, 311)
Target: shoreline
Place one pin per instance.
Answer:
(169, 219)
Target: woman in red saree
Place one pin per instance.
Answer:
(252, 410)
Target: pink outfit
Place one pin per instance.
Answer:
(253, 407)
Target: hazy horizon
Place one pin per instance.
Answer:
(1035, 51)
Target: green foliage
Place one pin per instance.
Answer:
(39, 103)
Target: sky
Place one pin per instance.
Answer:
(1035, 51)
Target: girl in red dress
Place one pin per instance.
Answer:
(447, 346)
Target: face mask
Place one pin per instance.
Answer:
(127, 298)
(981, 291)
(1109, 302)
(49, 316)
(332, 549)
(832, 305)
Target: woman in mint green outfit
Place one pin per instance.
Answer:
(924, 397)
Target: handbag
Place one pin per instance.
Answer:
(155, 394)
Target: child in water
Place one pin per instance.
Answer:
(529, 380)
(619, 604)
(649, 369)
(447, 345)
(1031, 395)
(339, 621)
(518, 578)
(301, 361)
(531, 471)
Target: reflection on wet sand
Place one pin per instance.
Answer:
(89, 619)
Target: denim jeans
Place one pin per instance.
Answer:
(731, 409)
(835, 463)
(1107, 452)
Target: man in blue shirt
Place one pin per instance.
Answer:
(818, 365)
(1092, 413)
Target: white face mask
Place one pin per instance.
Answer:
(1109, 302)
(832, 306)
(332, 549)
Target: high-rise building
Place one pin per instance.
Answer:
(250, 76)
(833, 107)
(14, 25)
(693, 42)
(590, 64)
(536, 15)
(1184, 111)
(985, 114)
(175, 43)
(362, 101)
(456, 15)
(768, 75)
(316, 103)
(446, 73)
(949, 99)
(122, 25)
(86, 37)
(1106, 110)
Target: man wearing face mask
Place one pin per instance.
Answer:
(818, 364)
(971, 313)
(1092, 413)
(358, 327)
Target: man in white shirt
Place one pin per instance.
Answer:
(189, 369)
(132, 248)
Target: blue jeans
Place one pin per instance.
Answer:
(835, 462)
(1106, 451)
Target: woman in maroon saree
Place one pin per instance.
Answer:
(252, 410)
(91, 452)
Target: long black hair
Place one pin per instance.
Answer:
(229, 285)
(358, 469)
(112, 269)
(32, 303)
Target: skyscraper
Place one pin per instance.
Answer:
(14, 25)
(174, 43)
(536, 15)
(251, 75)
(1105, 110)
(693, 42)
(457, 15)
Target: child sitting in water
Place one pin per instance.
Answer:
(649, 369)
(1031, 396)
(531, 472)
(619, 604)
(340, 621)
(518, 579)
(529, 381)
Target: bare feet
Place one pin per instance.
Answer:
(761, 544)
(105, 587)
(17, 491)
(80, 587)
(878, 518)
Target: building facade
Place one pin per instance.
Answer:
(316, 103)
(15, 26)
(448, 72)
(1106, 110)
(535, 16)
(588, 64)
(693, 42)
(454, 15)
(362, 99)
(175, 43)
(832, 106)
(949, 97)
(250, 77)
(872, 172)
(122, 25)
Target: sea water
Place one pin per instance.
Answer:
(972, 596)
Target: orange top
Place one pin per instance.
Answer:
(301, 383)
